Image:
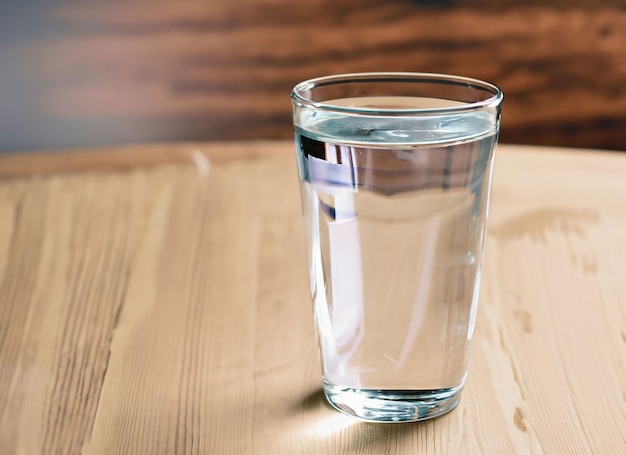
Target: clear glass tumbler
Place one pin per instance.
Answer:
(395, 173)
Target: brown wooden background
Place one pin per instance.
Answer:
(92, 72)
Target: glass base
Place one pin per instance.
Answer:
(392, 405)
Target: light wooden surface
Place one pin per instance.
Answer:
(162, 307)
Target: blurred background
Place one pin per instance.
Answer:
(105, 72)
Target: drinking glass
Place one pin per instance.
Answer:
(395, 173)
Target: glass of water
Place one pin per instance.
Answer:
(395, 173)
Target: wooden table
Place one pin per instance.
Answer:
(154, 299)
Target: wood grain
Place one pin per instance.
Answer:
(63, 282)
(117, 72)
(164, 308)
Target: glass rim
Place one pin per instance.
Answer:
(415, 77)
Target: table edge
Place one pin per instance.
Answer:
(124, 157)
